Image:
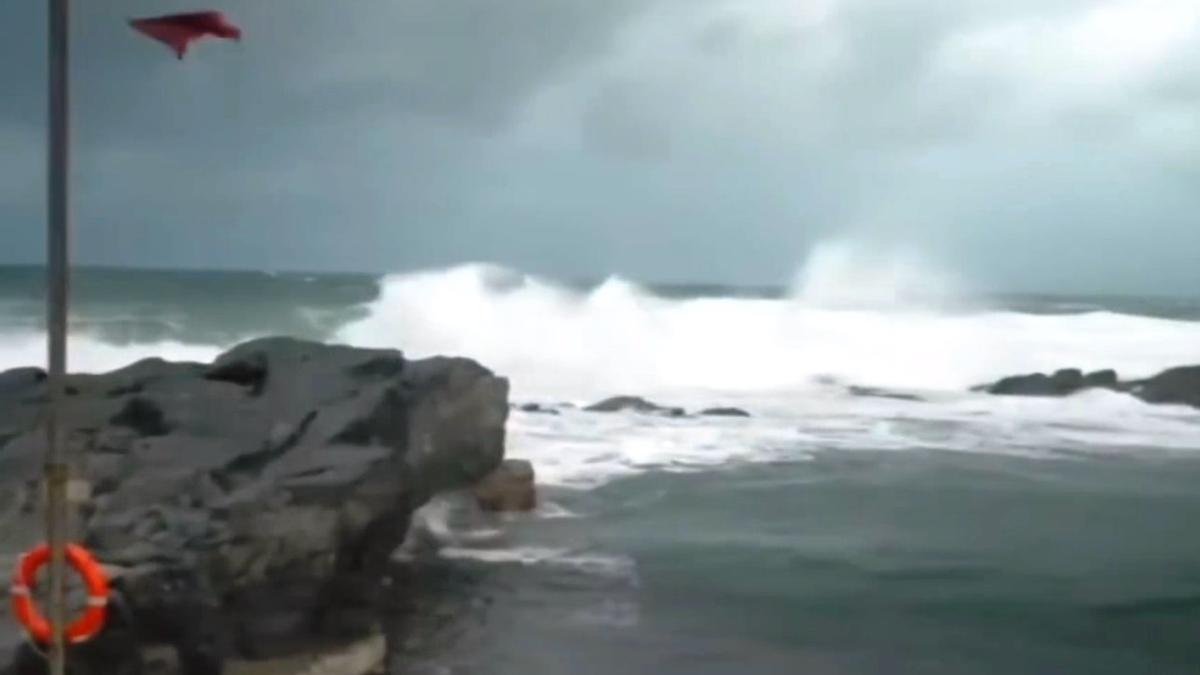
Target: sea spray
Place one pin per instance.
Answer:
(619, 338)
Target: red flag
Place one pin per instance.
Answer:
(178, 31)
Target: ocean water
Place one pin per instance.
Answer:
(831, 533)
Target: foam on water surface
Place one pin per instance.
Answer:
(854, 318)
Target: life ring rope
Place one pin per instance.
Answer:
(95, 613)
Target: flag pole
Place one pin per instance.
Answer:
(57, 269)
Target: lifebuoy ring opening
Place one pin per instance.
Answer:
(31, 619)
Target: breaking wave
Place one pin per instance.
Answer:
(869, 327)
(855, 314)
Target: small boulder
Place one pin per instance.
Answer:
(537, 408)
(873, 392)
(511, 487)
(633, 404)
(142, 416)
(724, 412)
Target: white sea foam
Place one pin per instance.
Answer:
(593, 563)
(90, 355)
(556, 342)
(555, 511)
(586, 450)
(855, 317)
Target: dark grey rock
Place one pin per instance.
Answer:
(1174, 386)
(10, 645)
(1061, 383)
(241, 499)
(1102, 379)
(537, 408)
(141, 416)
(724, 412)
(1035, 384)
(1068, 380)
(21, 380)
(245, 370)
(873, 392)
(114, 652)
(633, 404)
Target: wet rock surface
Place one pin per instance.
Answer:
(249, 506)
(724, 412)
(1177, 386)
(509, 488)
(634, 404)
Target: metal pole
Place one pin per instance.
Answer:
(57, 268)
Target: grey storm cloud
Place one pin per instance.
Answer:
(324, 114)
(624, 118)
(1049, 144)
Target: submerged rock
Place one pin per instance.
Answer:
(537, 408)
(633, 404)
(874, 392)
(724, 412)
(511, 487)
(252, 504)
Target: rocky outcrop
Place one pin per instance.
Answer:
(1062, 383)
(251, 504)
(511, 487)
(1180, 386)
(633, 404)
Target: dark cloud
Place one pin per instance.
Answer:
(689, 139)
(469, 62)
(330, 111)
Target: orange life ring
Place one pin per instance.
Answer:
(94, 615)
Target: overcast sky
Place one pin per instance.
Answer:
(1026, 144)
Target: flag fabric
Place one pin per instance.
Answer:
(178, 31)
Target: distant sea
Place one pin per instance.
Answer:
(831, 533)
